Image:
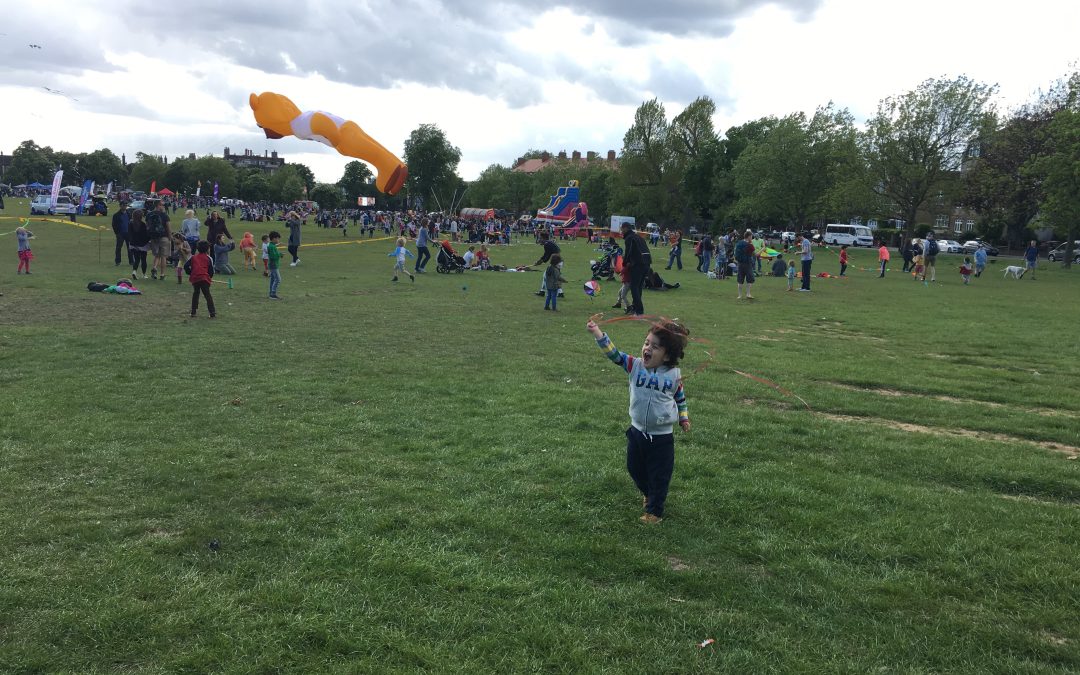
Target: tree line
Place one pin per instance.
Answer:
(933, 150)
(937, 148)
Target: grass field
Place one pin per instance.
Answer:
(430, 475)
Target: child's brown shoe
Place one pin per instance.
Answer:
(650, 519)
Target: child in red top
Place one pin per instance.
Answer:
(200, 269)
(883, 258)
(843, 259)
(965, 270)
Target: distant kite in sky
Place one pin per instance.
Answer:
(35, 46)
(57, 91)
(278, 117)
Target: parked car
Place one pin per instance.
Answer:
(137, 204)
(787, 237)
(42, 205)
(1059, 252)
(973, 245)
(950, 246)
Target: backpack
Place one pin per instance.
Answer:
(932, 247)
(155, 224)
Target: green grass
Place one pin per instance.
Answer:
(431, 476)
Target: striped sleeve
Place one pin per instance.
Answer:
(680, 402)
(621, 359)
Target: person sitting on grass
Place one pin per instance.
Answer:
(221, 255)
(779, 267)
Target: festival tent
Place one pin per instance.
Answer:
(166, 192)
(36, 185)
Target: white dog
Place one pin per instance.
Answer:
(1015, 270)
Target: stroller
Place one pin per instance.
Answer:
(447, 262)
(604, 268)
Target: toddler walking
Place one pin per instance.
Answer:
(183, 249)
(400, 252)
(24, 236)
(273, 256)
(657, 401)
(265, 255)
(966, 271)
(247, 247)
(790, 274)
(553, 282)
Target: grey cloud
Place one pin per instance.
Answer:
(674, 82)
(384, 43)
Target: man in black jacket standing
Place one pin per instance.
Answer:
(120, 229)
(638, 260)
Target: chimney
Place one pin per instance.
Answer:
(611, 155)
(266, 153)
(576, 156)
(274, 154)
(545, 156)
(226, 152)
(562, 154)
(590, 155)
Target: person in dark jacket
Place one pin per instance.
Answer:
(550, 249)
(638, 260)
(215, 227)
(138, 243)
(779, 267)
(120, 222)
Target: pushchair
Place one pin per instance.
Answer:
(447, 262)
(604, 268)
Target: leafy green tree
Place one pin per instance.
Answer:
(328, 196)
(31, 162)
(787, 176)
(146, 169)
(647, 184)
(1060, 171)
(915, 140)
(210, 170)
(489, 188)
(103, 166)
(254, 187)
(287, 185)
(305, 174)
(432, 163)
(357, 181)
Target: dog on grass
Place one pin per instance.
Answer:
(1015, 270)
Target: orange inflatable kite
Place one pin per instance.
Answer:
(278, 117)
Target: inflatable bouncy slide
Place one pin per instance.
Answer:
(565, 212)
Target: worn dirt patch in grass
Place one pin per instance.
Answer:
(964, 433)
(897, 393)
(676, 565)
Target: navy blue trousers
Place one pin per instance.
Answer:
(650, 463)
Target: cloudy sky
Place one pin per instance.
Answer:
(498, 76)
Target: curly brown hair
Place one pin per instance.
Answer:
(673, 339)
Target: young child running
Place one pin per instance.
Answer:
(657, 400)
(247, 247)
(24, 236)
(966, 270)
(790, 274)
(265, 255)
(273, 256)
(843, 260)
(553, 282)
(400, 252)
(200, 269)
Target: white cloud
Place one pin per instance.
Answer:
(498, 78)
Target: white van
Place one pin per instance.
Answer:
(852, 235)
